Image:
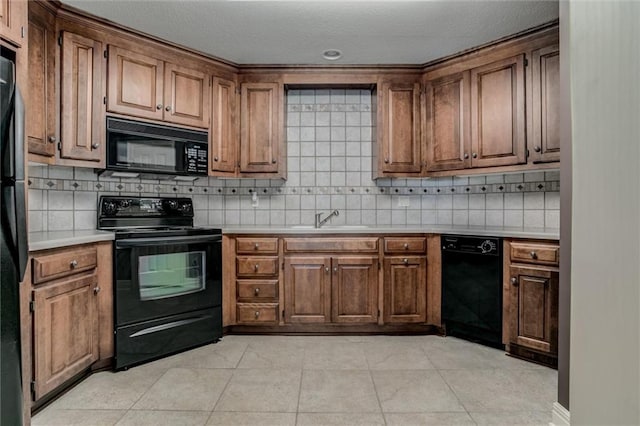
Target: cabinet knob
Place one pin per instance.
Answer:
(335, 269)
(386, 160)
(537, 149)
(215, 158)
(256, 291)
(95, 145)
(326, 268)
(533, 255)
(256, 267)
(73, 263)
(273, 161)
(405, 260)
(514, 281)
(96, 290)
(474, 155)
(466, 155)
(406, 246)
(159, 106)
(256, 246)
(168, 108)
(52, 139)
(257, 314)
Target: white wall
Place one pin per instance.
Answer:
(605, 270)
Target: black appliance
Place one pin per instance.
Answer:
(167, 277)
(13, 242)
(472, 288)
(154, 151)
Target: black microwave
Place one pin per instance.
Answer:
(135, 148)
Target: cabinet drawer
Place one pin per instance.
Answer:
(255, 313)
(257, 245)
(257, 266)
(405, 245)
(539, 254)
(333, 245)
(58, 265)
(257, 289)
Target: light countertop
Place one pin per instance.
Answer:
(54, 239)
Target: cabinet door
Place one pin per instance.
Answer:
(399, 150)
(354, 293)
(82, 114)
(498, 113)
(307, 291)
(41, 119)
(545, 120)
(405, 293)
(447, 123)
(224, 129)
(260, 133)
(65, 324)
(13, 18)
(534, 309)
(135, 84)
(186, 96)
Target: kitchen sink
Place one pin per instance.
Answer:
(335, 227)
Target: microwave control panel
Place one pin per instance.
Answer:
(196, 158)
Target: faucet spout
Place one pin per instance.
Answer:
(320, 222)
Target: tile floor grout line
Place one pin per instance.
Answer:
(226, 385)
(456, 395)
(375, 389)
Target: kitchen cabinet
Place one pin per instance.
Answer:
(42, 113)
(400, 144)
(307, 289)
(82, 93)
(405, 280)
(145, 86)
(71, 315)
(257, 280)
(354, 289)
(498, 113)
(13, 21)
(262, 147)
(224, 127)
(545, 105)
(531, 301)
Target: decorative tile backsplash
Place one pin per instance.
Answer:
(329, 136)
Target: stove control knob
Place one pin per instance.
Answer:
(125, 203)
(487, 246)
(109, 208)
(185, 207)
(171, 205)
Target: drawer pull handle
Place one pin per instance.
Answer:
(73, 263)
(534, 255)
(257, 314)
(257, 291)
(256, 267)
(257, 246)
(96, 290)
(406, 261)
(514, 281)
(406, 246)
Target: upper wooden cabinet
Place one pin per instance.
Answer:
(13, 21)
(498, 113)
(82, 93)
(447, 111)
(399, 150)
(262, 148)
(42, 113)
(544, 139)
(147, 87)
(224, 127)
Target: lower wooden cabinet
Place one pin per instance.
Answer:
(354, 289)
(66, 338)
(307, 289)
(405, 292)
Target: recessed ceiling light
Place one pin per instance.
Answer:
(332, 54)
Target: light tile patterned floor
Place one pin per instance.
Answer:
(317, 380)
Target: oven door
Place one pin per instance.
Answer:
(157, 277)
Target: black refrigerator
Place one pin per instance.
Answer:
(13, 241)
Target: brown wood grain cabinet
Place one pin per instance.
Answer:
(82, 93)
(405, 289)
(354, 289)
(70, 318)
(262, 148)
(400, 142)
(42, 113)
(544, 139)
(307, 289)
(13, 21)
(148, 87)
(531, 301)
(224, 130)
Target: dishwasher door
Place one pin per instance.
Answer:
(472, 289)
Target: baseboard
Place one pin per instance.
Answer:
(560, 416)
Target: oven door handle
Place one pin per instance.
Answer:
(138, 242)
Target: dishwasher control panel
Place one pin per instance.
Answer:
(471, 244)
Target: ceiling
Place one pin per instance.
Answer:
(297, 32)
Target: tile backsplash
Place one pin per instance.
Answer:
(329, 139)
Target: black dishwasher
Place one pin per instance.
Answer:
(472, 288)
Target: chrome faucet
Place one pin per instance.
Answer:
(320, 222)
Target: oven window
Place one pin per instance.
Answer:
(169, 275)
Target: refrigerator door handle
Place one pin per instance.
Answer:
(18, 158)
(21, 242)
